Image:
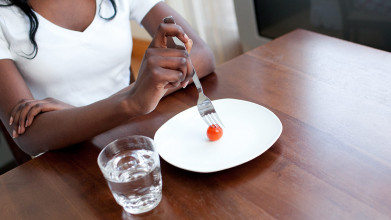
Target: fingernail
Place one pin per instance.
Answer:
(27, 123)
(187, 37)
(19, 129)
(186, 84)
(14, 134)
(11, 120)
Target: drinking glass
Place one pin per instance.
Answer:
(131, 167)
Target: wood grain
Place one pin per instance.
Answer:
(331, 161)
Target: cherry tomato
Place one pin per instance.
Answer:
(214, 132)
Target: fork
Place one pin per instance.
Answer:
(204, 104)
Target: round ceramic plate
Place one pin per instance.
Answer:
(249, 130)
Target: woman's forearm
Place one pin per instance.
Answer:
(203, 60)
(162, 71)
(57, 129)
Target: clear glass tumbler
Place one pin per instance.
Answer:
(131, 167)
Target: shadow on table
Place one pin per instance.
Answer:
(231, 176)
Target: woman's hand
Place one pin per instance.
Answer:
(162, 68)
(22, 115)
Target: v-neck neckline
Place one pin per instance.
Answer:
(67, 29)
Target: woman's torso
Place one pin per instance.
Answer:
(77, 67)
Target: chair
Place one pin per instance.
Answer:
(132, 76)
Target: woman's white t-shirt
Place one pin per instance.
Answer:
(75, 67)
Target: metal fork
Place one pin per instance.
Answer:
(204, 104)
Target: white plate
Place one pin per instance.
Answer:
(249, 130)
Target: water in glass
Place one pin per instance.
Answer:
(135, 180)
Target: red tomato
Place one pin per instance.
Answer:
(214, 132)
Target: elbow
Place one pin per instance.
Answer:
(208, 61)
(211, 64)
(28, 145)
(20, 144)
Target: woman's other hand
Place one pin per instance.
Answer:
(23, 114)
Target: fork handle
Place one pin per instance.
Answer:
(196, 81)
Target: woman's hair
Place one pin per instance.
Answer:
(26, 8)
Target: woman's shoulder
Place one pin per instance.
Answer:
(11, 16)
(10, 11)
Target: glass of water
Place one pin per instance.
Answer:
(131, 167)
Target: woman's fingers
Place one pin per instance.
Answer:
(15, 109)
(166, 52)
(16, 126)
(165, 31)
(21, 118)
(25, 111)
(169, 20)
(172, 70)
(15, 115)
(188, 45)
(172, 59)
(164, 66)
(174, 82)
(34, 111)
(37, 108)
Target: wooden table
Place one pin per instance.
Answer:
(332, 161)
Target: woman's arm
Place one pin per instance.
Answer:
(201, 56)
(161, 72)
(55, 129)
(161, 69)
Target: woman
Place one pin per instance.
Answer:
(73, 70)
